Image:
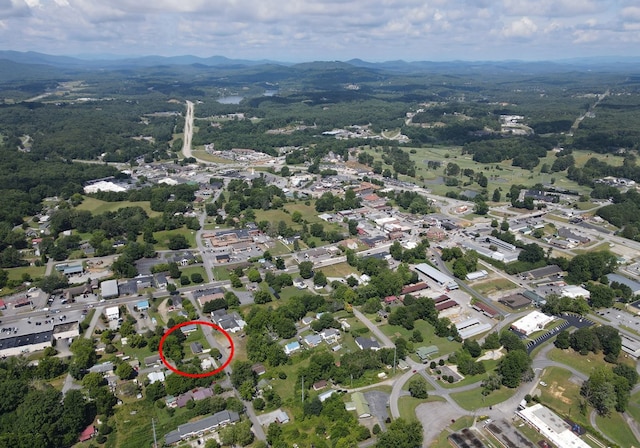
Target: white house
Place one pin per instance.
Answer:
(112, 313)
(330, 335)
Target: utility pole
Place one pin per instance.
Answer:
(302, 390)
(155, 440)
(395, 351)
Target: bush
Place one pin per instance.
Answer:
(282, 375)
(101, 439)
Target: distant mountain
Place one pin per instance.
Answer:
(114, 62)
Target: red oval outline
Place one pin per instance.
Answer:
(196, 375)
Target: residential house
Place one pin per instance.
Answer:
(313, 340)
(330, 335)
(292, 347)
(367, 343)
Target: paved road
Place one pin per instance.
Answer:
(386, 342)
(188, 131)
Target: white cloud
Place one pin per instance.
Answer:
(13, 8)
(553, 8)
(522, 28)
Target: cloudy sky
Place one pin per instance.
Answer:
(305, 30)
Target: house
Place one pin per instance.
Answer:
(189, 328)
(324, 395)
(292, 347)
(330, 335)
(201, 427)
(105, 368)
(307, 321)
(258, 369)
(299, 283)
(359, 404)
(320, 385)
(367, 343)
(112, 313)
(196, 348)
(313, 340)
(161, 280)
(223, 258)
(143, 305)
(156, 376)
(390, 299)
(87, 434)
(184, 259)
(228, 322)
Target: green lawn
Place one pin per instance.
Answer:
(339, 270)
(560, 394)
(33, 271)
(417, 375)
(96, 206)
(616, 429)
(407, 405)
(189, 270)
(584, 364)
(429, 338)
(473, 399)
(163, 237)
(634, 406)
(493, 285)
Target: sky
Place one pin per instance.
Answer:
(305, 30)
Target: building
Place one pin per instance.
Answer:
(292, 347)
(324, 395)
(437, 276)
(477, 275)
(367, 343)
(200, 427)
(87, 434)
(320, 385)
(330, 335)
(106, 368)
(471, 327)
(534, 321)
(425, 353)
(515, 301)
(112, 313)
(109, 289)
(409, 289)
(546, 271)
(156, 376)
(359, 404)
(313, 340)
(574, 292)
(634, 285)
(15, 345)
(551, 426)
(485, 309)
(143, 305)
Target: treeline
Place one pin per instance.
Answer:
(624, 213)
(525, 152)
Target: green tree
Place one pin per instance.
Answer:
(401, 434)
(306, 269)
(125, 371)
(418, 388)
(319, 279)
(177, 242)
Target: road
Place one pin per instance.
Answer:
(188, 131)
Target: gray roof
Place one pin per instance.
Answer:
(200, 426)
(634, 285)
(25, 339)
(367, 343)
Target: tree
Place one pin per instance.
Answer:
(261, 296)
(481, 208)
(562, 340)
(418, 388)
(196, 277)
(513, 366)
(401, 434)
(125, 371)
(319, 279)
(177, 242)
(599, 390)
(53, 282)
(254, 276)
(496, 195)
(306, 269)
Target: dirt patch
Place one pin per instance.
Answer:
(558, 391)
(163, 311)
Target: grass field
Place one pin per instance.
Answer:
(561, 394)
(189, 270)
(584, 364)
(33, 271)
(502, 174)
(96, 206)
(494, 285)
(407, 405)
(473, 399)
(616, 429)
(338, 270)
(429, 338)
(163, 237)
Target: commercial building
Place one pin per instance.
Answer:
(17, 344)
(551, 426)
(200, 427)
(532, 322)
(112, 313)
(471, 327)
(437, 276)
(109, 288)
(574, 292)
(359, 404)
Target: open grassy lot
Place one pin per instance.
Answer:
(494, 285)
(429, 338)
(473, 399)
(584, 364)
(189, 270)
(634, 406)
(339, 270)
(560, 393)
(33, 271)
(616, 429)
(163, 237)
(96, 206)
(501, 174)
(407, 405)
(417, 375)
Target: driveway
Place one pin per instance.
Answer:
(378, 402)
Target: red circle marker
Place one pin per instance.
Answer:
(196, 375)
